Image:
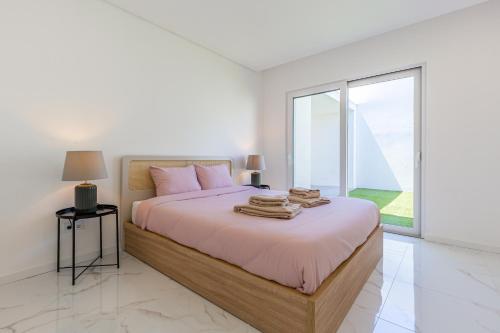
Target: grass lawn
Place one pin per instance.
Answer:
(396, 207)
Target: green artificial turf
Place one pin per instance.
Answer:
(396, 207)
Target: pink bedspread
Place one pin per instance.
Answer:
(298, 253)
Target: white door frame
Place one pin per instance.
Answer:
(418, 73)
(342, 86)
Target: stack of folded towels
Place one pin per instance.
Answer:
(307, 198)
(275, 206)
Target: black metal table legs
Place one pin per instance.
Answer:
(58, 241)
(117, 242)
(73, 230)
(74, 266)
(100, 237)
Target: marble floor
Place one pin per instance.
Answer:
(419, 286)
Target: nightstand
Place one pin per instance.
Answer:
(261, 186)
(71, 215)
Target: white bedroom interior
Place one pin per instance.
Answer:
(172, 78)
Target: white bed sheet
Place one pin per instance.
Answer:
(135, 205)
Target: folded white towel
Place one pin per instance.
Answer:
(279, 212)
(304, 192)
(308, 202)
(268, 200)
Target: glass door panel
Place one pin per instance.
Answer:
(316, 142)
(361, 139)
(383, 147)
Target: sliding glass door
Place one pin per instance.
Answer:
(317, 142)
(316, 157)
(361, 139)
(384, 147)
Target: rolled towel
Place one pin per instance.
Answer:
(308, 202)
(280, 212)
(268, 200)
(304, 192)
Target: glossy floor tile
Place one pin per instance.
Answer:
(417, 287)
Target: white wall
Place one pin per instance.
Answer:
(325, 145)
(352, 151)
(462, 53)
(302, 141)
(316, 141)
(79, 74)
(384, 144)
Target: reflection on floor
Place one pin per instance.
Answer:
(419, 286)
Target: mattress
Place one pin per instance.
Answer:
(299, 253)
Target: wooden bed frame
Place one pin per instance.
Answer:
(264, 304)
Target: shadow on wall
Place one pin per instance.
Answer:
(371, 161)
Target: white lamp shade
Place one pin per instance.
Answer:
(84, 165)
(256, 162)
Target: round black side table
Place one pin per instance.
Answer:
(262, 186)
(72, 216)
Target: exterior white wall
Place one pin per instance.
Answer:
(380, 143)
(316, 141)
(325, 150)
(352, 150)
(461, 53)
(84, 75)
(384, 145)
(302, 141)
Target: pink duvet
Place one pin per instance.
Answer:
(298, 253)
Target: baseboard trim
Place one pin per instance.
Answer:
(42, 269)
(467, 245)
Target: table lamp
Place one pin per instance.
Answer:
(256, 163)
(84, 165)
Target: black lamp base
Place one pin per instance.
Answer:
(255, 180)
(85, 198)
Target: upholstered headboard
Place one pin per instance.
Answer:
(136, 180)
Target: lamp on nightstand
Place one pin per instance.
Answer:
(84, 165)
(256, 163)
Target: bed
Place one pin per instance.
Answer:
(265, 304)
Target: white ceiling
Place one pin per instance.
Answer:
(261, 34)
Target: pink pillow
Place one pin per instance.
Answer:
(174, 180)
(213, 176)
